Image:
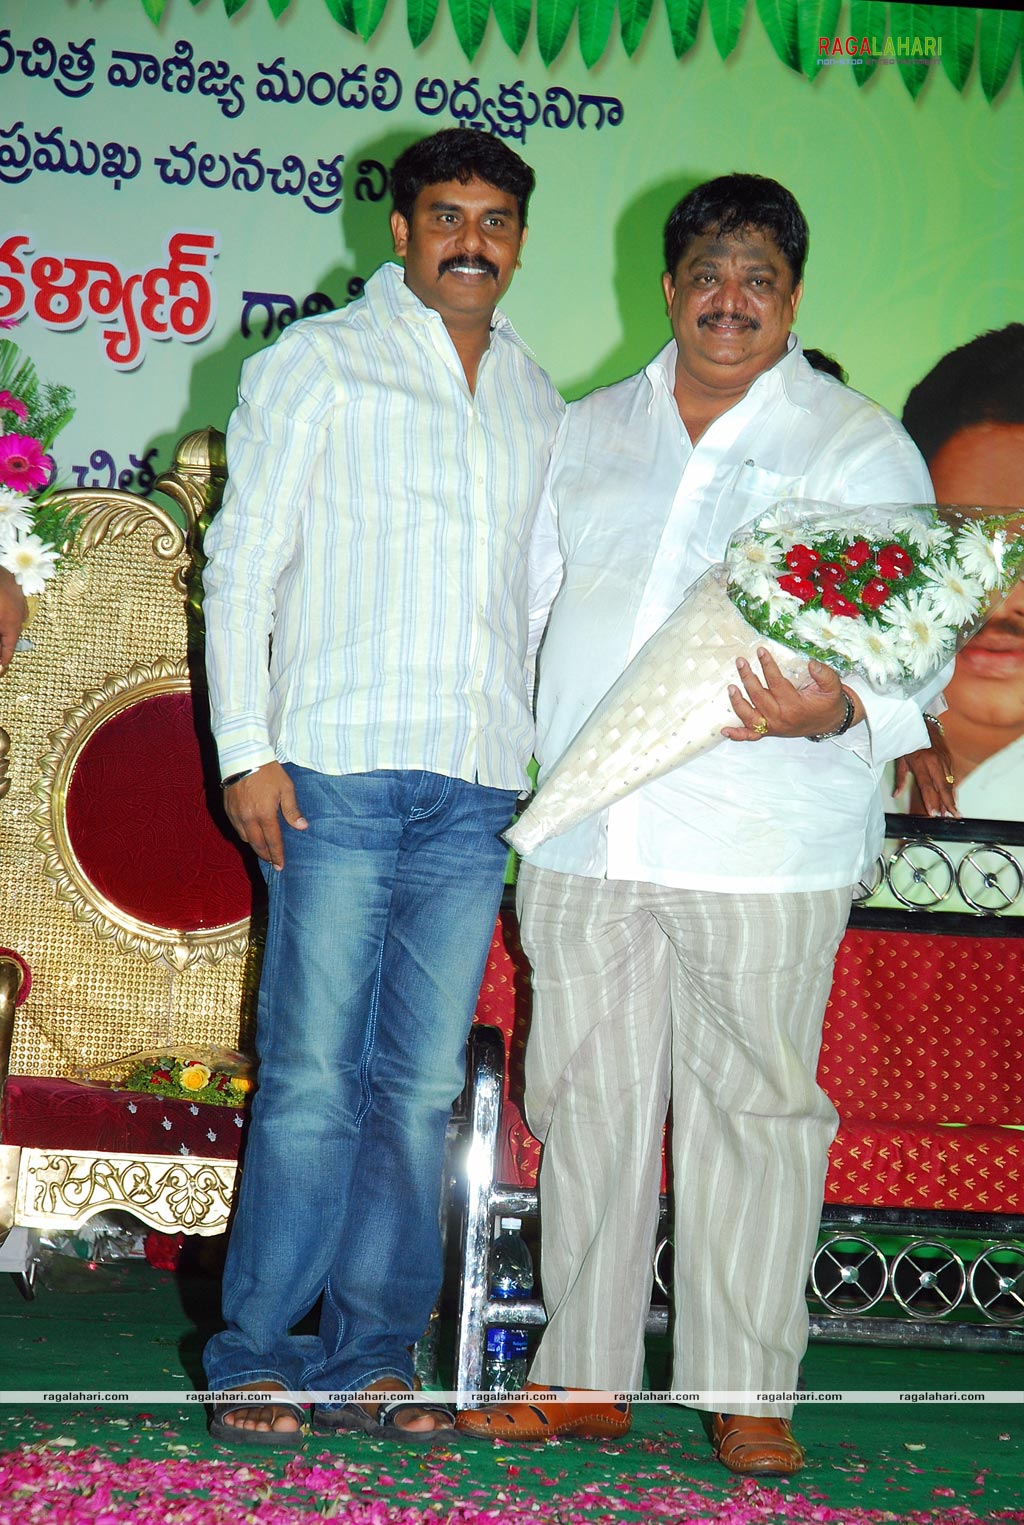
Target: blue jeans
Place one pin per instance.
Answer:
(379, 928)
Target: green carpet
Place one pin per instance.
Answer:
(128, 1326)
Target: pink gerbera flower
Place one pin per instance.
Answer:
(23, 465)
(13, 405)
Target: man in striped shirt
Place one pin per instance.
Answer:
(385, 464)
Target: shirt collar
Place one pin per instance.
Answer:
(790, 373)
(389, 300)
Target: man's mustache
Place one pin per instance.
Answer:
(472, 261)
(718, 316)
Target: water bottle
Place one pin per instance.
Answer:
(511, 1274)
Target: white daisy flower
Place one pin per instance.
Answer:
(872, 649)
(955, 596)
(922, 529)
(14, 513)
(778, 600)
(922, 640)
(980, 555)
(31, 562)
(753, 554)
(816, 627)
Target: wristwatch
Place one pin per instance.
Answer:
(844, 724)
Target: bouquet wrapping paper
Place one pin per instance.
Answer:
(887, 593)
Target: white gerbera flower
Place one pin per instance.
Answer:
(14, 513)
(980, 554)
(31, 561)
(778, 600)
(921, 639)
(955, 596)
(872, 649)
(754, 553)
(815, 627)
(923, 529)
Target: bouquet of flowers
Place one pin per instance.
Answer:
(33, 528)
(210, 1073)
(888, 593)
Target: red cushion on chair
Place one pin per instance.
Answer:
(139, 821)
(43, 1113)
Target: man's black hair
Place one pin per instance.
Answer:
(733, 202)
(982, 382)
(827, 363)
(462, 154)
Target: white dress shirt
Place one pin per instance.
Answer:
(632, 515)
(376, 521)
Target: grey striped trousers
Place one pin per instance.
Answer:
(641, 991)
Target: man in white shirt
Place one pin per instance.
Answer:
(683, 940)
(385, 465)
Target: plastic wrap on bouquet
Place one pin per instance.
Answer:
(889, 593)
(668, 706)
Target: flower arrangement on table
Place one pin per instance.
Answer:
(888, 593)
(33, 526)
(212, 1074)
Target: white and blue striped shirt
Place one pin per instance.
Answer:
(376, 522)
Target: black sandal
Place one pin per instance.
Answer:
(239, 1435)
(383, 1424)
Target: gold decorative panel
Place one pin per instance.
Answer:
(120, 617)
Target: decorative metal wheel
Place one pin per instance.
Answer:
(928, 1279)
(989, 879)
(873, 879)
(920, 874)
(848, 1274)
(662, 1265)
(996, 1283)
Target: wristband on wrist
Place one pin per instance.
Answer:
(844, 724)
(236, 778)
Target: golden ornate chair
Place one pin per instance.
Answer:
(124, 900)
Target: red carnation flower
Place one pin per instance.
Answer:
(835, 603)
(858, 553)
(829, 573)
(875, 593)
(894, 562)
(801, 587)
(802, 559)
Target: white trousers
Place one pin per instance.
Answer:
(642, 991)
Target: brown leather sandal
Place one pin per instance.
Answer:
(585, 1420)
(756, 1446)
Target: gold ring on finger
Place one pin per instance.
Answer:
(760, 726)
(950, 778)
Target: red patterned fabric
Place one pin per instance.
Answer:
(971, 1170)
(926, 1029)
(920, 1031)
(138, 817)
(42, 1113)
